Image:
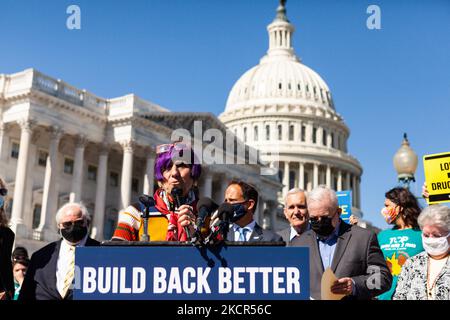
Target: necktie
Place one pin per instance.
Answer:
(242, 233)
(70, 271)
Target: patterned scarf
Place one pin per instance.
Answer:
(166, 205)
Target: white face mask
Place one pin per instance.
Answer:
(435, 246)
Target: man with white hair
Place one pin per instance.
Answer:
(296, 212)
(352, 253)
(52, 268)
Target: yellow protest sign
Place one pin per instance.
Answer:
(437, 177)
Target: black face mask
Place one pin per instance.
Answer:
(322, 227)
(239, 211)
(75, 233)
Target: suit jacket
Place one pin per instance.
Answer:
(40, 280)
(285, 234)
(6, 274)
(357, 255)
(258, 234)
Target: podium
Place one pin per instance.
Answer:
(161, 270)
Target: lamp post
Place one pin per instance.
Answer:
(405, 163)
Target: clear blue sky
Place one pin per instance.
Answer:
(187, 54)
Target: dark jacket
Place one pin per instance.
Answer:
(40, 280)
(357, 255)
(6, 273)
(258, 234)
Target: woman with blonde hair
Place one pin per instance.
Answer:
(6, 244)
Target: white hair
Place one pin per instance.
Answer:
(437, 215)
(323, 193)
(84, 211)
(293, 191)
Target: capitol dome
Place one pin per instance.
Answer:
(281, 80)
(284, 109)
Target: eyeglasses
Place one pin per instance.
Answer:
(176, 145)
(3, 192)
(77, 223)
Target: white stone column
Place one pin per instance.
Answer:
(339, 181)
(320, 133)
(21, 175)
(347, 180)
(302, 176)
(328, 176)
(3, 142)
(309, 130)
(207, 185)
(223, 187)
(329, 140)
(354, 191)
(77, 180)
(100, 194)
(297, 129)
(285, 178)
(149, 177)
(273, 131)
(46, 228)
(127, 174)
(316, 175)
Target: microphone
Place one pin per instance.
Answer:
(205, 207)
(147, 201)
(177, 194)
(219, 228)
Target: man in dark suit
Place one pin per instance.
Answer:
(352, 253)
(52, 268)
(244, 199)
(296, 213)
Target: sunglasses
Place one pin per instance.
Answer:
(77, 223)
(178, 146)
(3, 192)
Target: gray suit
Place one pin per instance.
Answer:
(357, 255)
(285, 234)
(258, 234)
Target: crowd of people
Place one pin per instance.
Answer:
(410, 261)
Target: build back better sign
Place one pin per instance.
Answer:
(191, 273)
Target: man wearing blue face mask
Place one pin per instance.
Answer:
(244, 199)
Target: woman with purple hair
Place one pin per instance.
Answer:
(177, 172)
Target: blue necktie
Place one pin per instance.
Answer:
(242, 232)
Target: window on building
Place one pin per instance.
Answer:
(92, 173)
(68, 166)
(280, 132)
(15, 146)
(36, 215)
(314, 135)
(255, 133)
(324, 138)
(42, 158)
(245, 134)
(303, 134)
(332, 140)
(113, 179)
(279, 86)
(135, 185)
(291, 132)
(267, 132)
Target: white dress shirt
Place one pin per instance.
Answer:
(249, 232)
(62, 266)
